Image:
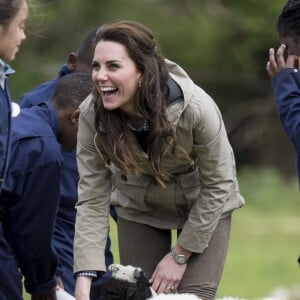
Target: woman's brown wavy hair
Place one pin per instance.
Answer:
(117, 140)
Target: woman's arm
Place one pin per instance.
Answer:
(92, 215)
(217, 174)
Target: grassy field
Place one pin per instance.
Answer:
(265, 239)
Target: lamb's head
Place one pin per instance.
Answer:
(126, 273)
(126, 283)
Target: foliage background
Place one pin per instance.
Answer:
(223, 45)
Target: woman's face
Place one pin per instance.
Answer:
(13, 34)
(116, 76)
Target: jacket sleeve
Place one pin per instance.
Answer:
(286, 88)
(216, 165)
(92, 209)
(31, 225)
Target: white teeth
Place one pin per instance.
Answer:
(107, 88)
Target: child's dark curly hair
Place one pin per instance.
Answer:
(288, 23)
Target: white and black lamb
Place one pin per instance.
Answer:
(174, 297)
(126, 283)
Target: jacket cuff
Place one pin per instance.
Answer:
(41, 288)
(88, 260)
(92, 274)
(192, 239)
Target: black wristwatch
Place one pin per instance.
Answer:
(179, 258)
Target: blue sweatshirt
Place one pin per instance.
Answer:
(5, 117)
(65, 220)
(31, 193)
(286, 88)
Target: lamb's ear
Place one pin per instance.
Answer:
(113, 268)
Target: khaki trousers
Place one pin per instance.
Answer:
(144, 246)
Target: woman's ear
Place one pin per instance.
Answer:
(140, 81)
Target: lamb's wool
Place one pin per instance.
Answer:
(286, 293)
(174, 297)
(231, 298)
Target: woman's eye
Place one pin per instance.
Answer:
(95, 66)
(114, 66)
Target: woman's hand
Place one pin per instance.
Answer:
(278, 62)
(83, 286)
(167, 275)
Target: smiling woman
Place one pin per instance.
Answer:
(153, 144)
(115, 76)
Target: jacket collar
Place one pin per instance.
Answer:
(49, 113)
(64, 71)
(5, 71)
(173, 92)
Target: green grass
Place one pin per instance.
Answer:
(262, 254)
(265, 238)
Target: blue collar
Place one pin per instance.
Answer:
(52, 117)
(64, 71)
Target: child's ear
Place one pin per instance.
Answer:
(72, 61)
(75, 116)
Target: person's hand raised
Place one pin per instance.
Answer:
(277, 61)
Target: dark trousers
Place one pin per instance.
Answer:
(10, 277)
(144, 246)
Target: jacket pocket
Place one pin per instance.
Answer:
(129, 191)
(191, 186)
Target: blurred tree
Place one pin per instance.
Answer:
(223, 45)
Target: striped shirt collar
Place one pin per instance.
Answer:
(5, 70)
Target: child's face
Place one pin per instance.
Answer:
(12, 36)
